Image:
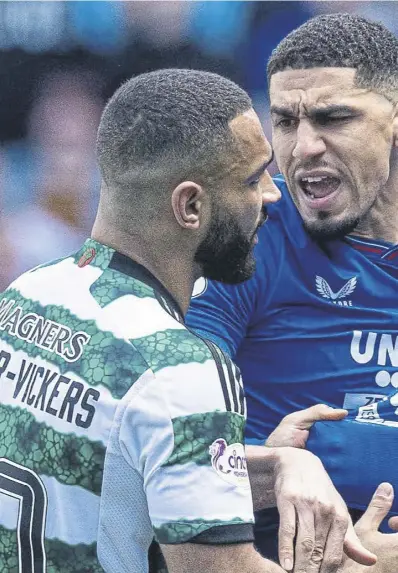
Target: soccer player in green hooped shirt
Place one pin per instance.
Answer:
(118, 424)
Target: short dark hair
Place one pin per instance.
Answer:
(346, 41)
(172, 121)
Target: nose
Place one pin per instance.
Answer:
(308, 142)
(270, 193)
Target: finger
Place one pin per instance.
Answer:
(304, 419)
(322, 530)
(354, 549)
(305, 539)
(333, 552)
(393, 523)
(286, 534)
(378, 508)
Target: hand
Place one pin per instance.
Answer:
(385, 546)
(312, 510)
(293, 430)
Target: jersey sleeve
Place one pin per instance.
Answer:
(223, 313)
(178, 434)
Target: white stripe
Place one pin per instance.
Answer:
(190, 388)
(126, 317)
(40, 286)
(191, 492)
(237, 384)
(105, 407)
(10, 516)
(389, 252)
(241, 389)
(379, 246)
(133, 317)
(72, 516)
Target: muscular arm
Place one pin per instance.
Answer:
(199, 558)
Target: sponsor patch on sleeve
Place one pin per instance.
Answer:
(230, 462)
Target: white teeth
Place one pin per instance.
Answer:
(314, 179)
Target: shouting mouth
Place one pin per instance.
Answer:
(319, 190)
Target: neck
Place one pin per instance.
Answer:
(176, 273)
(381, 222)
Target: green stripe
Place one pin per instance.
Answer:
(111, 285)
(8, 550)
(106, 360)
(172, 347)
(182, 530)
(194, 434)
(61, 558)
(72, 460)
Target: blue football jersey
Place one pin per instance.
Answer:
(363, 444)
(317, 323)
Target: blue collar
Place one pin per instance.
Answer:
(375, 250)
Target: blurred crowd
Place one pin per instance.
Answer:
(60, 61)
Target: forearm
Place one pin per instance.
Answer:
(263, 463)
(235, 558)
(268, 465)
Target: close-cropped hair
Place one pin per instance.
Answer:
(342, 41)
(170, 122)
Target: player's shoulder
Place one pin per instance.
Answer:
(100, 290)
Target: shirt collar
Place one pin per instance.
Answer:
(379, 250)
(103, 256)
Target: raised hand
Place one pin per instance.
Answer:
(293, 430)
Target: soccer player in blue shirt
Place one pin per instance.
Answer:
(318, 322)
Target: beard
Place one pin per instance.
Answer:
(226, 254)
(328, 231)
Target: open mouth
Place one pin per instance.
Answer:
(319, 187)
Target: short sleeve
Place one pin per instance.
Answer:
(178, 434)
(222, 312)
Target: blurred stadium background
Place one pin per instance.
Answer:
(60, 61)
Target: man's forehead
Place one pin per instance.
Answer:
(314, 85)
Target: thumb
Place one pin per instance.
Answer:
(354, 549)
(304, 419)
(378, 508)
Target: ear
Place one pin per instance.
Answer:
(395, 126)
(187, 202)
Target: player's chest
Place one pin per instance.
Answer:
(327, 324)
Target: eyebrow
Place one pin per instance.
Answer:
(324, 110)
(261, 169)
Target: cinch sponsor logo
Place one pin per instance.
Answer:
(379, 347)
(230, 462)
(339, 297)
(47, 334)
